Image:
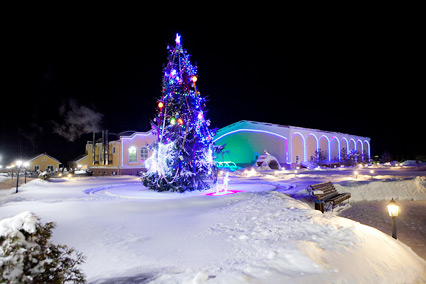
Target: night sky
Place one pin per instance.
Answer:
(353, 74)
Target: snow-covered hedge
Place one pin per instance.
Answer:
(44, 176)
(27, 256)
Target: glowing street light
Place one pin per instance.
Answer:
(371, 173)
(356, 174)
(393, 209)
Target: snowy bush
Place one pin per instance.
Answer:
(309, 165)
(27, 256)
(44, 176)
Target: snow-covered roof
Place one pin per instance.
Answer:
(43, 154)
(278, 127)
(132, 135)
(80, 158)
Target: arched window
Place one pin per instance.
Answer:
(132, 155)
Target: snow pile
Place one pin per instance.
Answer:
(272, 238)
(12, 226)
(247, 172)
(310, 165)
(399, 189)
(413, 163)
(258, 236)
(14, 246)
(27, 256)
(267, 162)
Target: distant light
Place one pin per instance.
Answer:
(180, 121)
(160, 105)
(177, 39)
(172, 121)
(18, 163)
(194, 79)
(223, 192)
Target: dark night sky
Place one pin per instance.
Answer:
(358, 74)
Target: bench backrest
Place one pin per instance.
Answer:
(326, 187)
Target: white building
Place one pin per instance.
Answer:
(246, 140)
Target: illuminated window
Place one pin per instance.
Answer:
(144, 153)
(132, 155)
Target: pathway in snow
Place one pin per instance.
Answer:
(411, 223)
(9, 183)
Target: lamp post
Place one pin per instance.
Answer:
(26, 164)
(393, 209)
(18, 168)
(11, 167)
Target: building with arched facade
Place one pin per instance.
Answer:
(246, 140)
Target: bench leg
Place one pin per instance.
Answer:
(319, 205)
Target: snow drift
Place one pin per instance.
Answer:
(385, 189)
(250, 237)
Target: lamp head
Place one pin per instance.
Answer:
(393, 208)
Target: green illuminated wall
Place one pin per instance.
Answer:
(243, 146)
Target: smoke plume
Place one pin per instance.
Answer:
(77, 120)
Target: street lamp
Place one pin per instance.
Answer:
(11, 167)
(356, 174)
(18, 168)
(26, 164)
(393, 209)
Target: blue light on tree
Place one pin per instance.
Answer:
(183, 155)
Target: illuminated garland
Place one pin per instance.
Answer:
(183, 155)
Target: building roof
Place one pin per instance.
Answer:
(43, 154)
(272, 125)
(80, 158)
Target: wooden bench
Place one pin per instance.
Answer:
(327, 195)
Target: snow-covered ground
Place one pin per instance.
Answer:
(131, 234)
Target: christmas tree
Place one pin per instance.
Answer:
(182, 157)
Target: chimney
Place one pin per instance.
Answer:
(103, 148)
(106, 160)
(93, 148)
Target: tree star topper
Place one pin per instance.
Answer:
(177, 39)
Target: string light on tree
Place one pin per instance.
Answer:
(184, 137)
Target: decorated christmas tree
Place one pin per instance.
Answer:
(182, 157)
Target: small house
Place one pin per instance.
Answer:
(43, 162)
